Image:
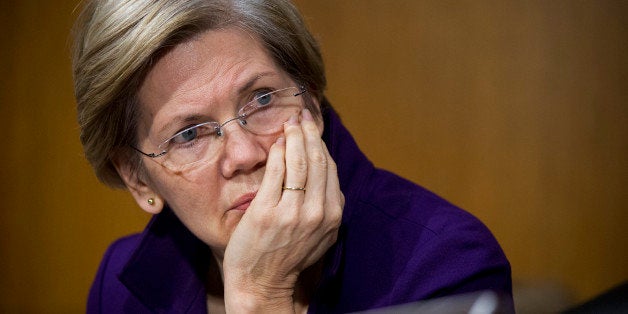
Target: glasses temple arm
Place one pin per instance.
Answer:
(302, 91)
(151, 155)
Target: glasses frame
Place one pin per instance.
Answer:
(241, 116)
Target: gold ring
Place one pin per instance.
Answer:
(292, 188)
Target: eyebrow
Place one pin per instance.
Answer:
(197, 117)
(246, 86)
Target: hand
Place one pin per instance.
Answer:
(284, 231)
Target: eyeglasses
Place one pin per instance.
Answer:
(264, 115)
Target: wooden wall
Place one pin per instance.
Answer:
(514, 110)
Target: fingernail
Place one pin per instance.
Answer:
(307, 115)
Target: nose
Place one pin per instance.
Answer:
(242, 152)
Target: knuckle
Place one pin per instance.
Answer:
(274, 168)
(287, 221)
(342, 200)
(263, 220)
(331, 164)
(297, 164)
(335, 214)
(336, 218)
(317, 158)
(314, 218)
(334, 236)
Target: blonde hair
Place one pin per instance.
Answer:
(116, 42)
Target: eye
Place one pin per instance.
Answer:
(263, 97)
(192, 137)
(185, 136)
(194, 133)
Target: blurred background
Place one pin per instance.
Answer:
(516, 111)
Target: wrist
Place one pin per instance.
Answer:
(256, 294)
(258, 300)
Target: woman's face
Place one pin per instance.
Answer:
(206, 79)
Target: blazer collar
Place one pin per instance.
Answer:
(353, 166)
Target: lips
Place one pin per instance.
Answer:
(243, 202)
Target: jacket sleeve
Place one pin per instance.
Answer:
(440, 249)
(462, 256)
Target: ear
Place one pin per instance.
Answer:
(145, 196)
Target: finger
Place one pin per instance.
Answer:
(296, 159)
(270, 188)
(334, 200)
(317, 164)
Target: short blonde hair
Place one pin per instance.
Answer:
(117, 41)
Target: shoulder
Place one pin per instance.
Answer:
(119, 252)
(407, 203)
(107, 292)
(444, 248)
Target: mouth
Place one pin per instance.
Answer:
(243, 202)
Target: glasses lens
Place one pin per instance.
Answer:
(267, 113)
(190, 145)
(263, 116)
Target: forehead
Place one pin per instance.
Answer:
(201, 72)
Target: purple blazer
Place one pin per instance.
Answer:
(398, 243)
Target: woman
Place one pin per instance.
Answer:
(212, 115)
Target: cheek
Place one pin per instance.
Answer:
(188, 193)
(196, 199)
(190, 187)
(267, 141)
